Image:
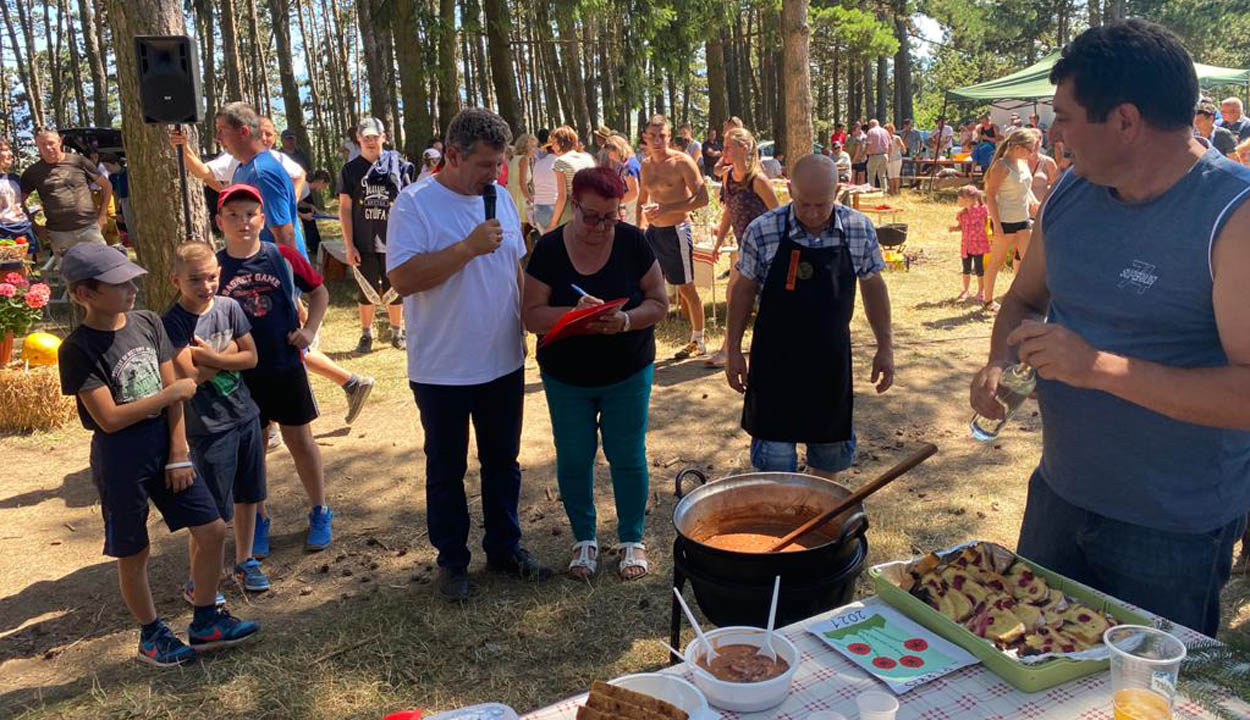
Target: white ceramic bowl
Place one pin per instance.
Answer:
(744, 697)
(671, 689)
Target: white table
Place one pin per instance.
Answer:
(826, 680)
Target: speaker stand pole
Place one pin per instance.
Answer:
(186, 197)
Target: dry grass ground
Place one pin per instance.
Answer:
(355, 632)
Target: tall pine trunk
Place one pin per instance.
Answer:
(53, 50)
(30, 73)
(80, 97)
(498, 35)
(448, 97)
(883, 86)
(412, 71)
(902, 67)
(718, 102)
(157, 224)
(280, 11)
(95, 61)
(230, 52)
(375, 41)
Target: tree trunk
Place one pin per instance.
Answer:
(868, 87)
(798, 92)
(749, 92)
(448, 99)
(260, 65)
(717, 102)
(592, 81)
(574, 80)
(53, 52)
(550, 67)
(473, 35)
(157, 223)
(408, 51)
(95, 61)
(883, 87)
(280, 11)
(375, 40)
(498, 33)
(1114, 10)
(1094, 15)
(836, 90)
(32, 79)
(902, 67)
(208, 68)
(75, 60)
(321, 152)
(230, 52)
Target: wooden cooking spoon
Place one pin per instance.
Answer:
(924, 453)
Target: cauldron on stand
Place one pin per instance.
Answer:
(734, 587)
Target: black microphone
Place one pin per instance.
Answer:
(488, 201)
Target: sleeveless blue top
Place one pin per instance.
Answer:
(1135, 280)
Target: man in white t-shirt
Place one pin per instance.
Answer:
(460, 276)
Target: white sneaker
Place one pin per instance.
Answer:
(275, 437)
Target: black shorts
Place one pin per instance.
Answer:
(284, 396)
(1009, 228)
(373, 267)
(860, 167)
(128, 468)
(974, 264)
(232, 464)
(673, 247)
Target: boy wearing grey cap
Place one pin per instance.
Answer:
(119, 366)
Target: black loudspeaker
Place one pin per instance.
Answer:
(169, 78)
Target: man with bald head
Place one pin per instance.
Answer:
(1233, 119)
(803, 261)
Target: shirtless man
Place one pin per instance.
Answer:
(671, 189)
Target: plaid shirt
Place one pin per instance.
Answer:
(763, 236)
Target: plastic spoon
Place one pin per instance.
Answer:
(698, 630)
(697, 667)
(766, 650)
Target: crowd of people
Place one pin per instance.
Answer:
(1139, 338)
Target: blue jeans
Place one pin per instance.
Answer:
(1176, 575)
(619, 412)
(542, 216)
(495, 409)
(774, 456)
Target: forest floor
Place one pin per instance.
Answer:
(356, 631)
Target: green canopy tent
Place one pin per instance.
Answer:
(1033, 83)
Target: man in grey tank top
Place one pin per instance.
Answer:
(1144, 358)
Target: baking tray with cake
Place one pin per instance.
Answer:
(1029, 625)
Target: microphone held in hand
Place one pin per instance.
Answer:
(488, 201)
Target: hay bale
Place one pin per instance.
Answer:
(31, 400)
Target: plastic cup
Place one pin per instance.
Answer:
(876, 705)
(1145, 663)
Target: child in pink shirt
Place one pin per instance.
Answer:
(974, 242)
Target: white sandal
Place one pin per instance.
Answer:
(586, 558)
(630, 559)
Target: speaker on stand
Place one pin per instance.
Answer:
(169, 92)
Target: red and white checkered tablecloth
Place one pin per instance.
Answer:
(826, 680)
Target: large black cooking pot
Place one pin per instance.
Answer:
(735, 588)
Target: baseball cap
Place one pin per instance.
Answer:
(431, 154)
(90, 261)
(370, 126)
(837, 144)
(236, 191)
(288, 133)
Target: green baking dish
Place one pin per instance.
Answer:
(1028, 678)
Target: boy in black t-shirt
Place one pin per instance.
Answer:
(118, 364)
(263, 277)
(212, 339)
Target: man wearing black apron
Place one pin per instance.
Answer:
(803, 261)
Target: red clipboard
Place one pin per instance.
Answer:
(577, 322)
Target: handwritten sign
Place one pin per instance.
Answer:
(889, 646)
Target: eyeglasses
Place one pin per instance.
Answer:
(595, 218)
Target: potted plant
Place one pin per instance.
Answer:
(21, 306)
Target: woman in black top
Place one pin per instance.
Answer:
(602, 379)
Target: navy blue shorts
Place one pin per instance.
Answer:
(128, 468)
(232, 464)
(284, 396)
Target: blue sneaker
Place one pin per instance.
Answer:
(222, 631)
(260, 538)
(318, 529)
(188, 594)
(249, 574)
(163, 649)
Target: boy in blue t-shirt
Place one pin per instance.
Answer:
(118, 365)
(212, 338)
(263, 277)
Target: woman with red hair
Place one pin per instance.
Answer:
(598, 383)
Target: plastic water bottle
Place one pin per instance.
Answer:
(1015, 385)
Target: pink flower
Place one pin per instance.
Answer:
(40, 289)
(15, 279)
(7, 290)
(36, 301)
